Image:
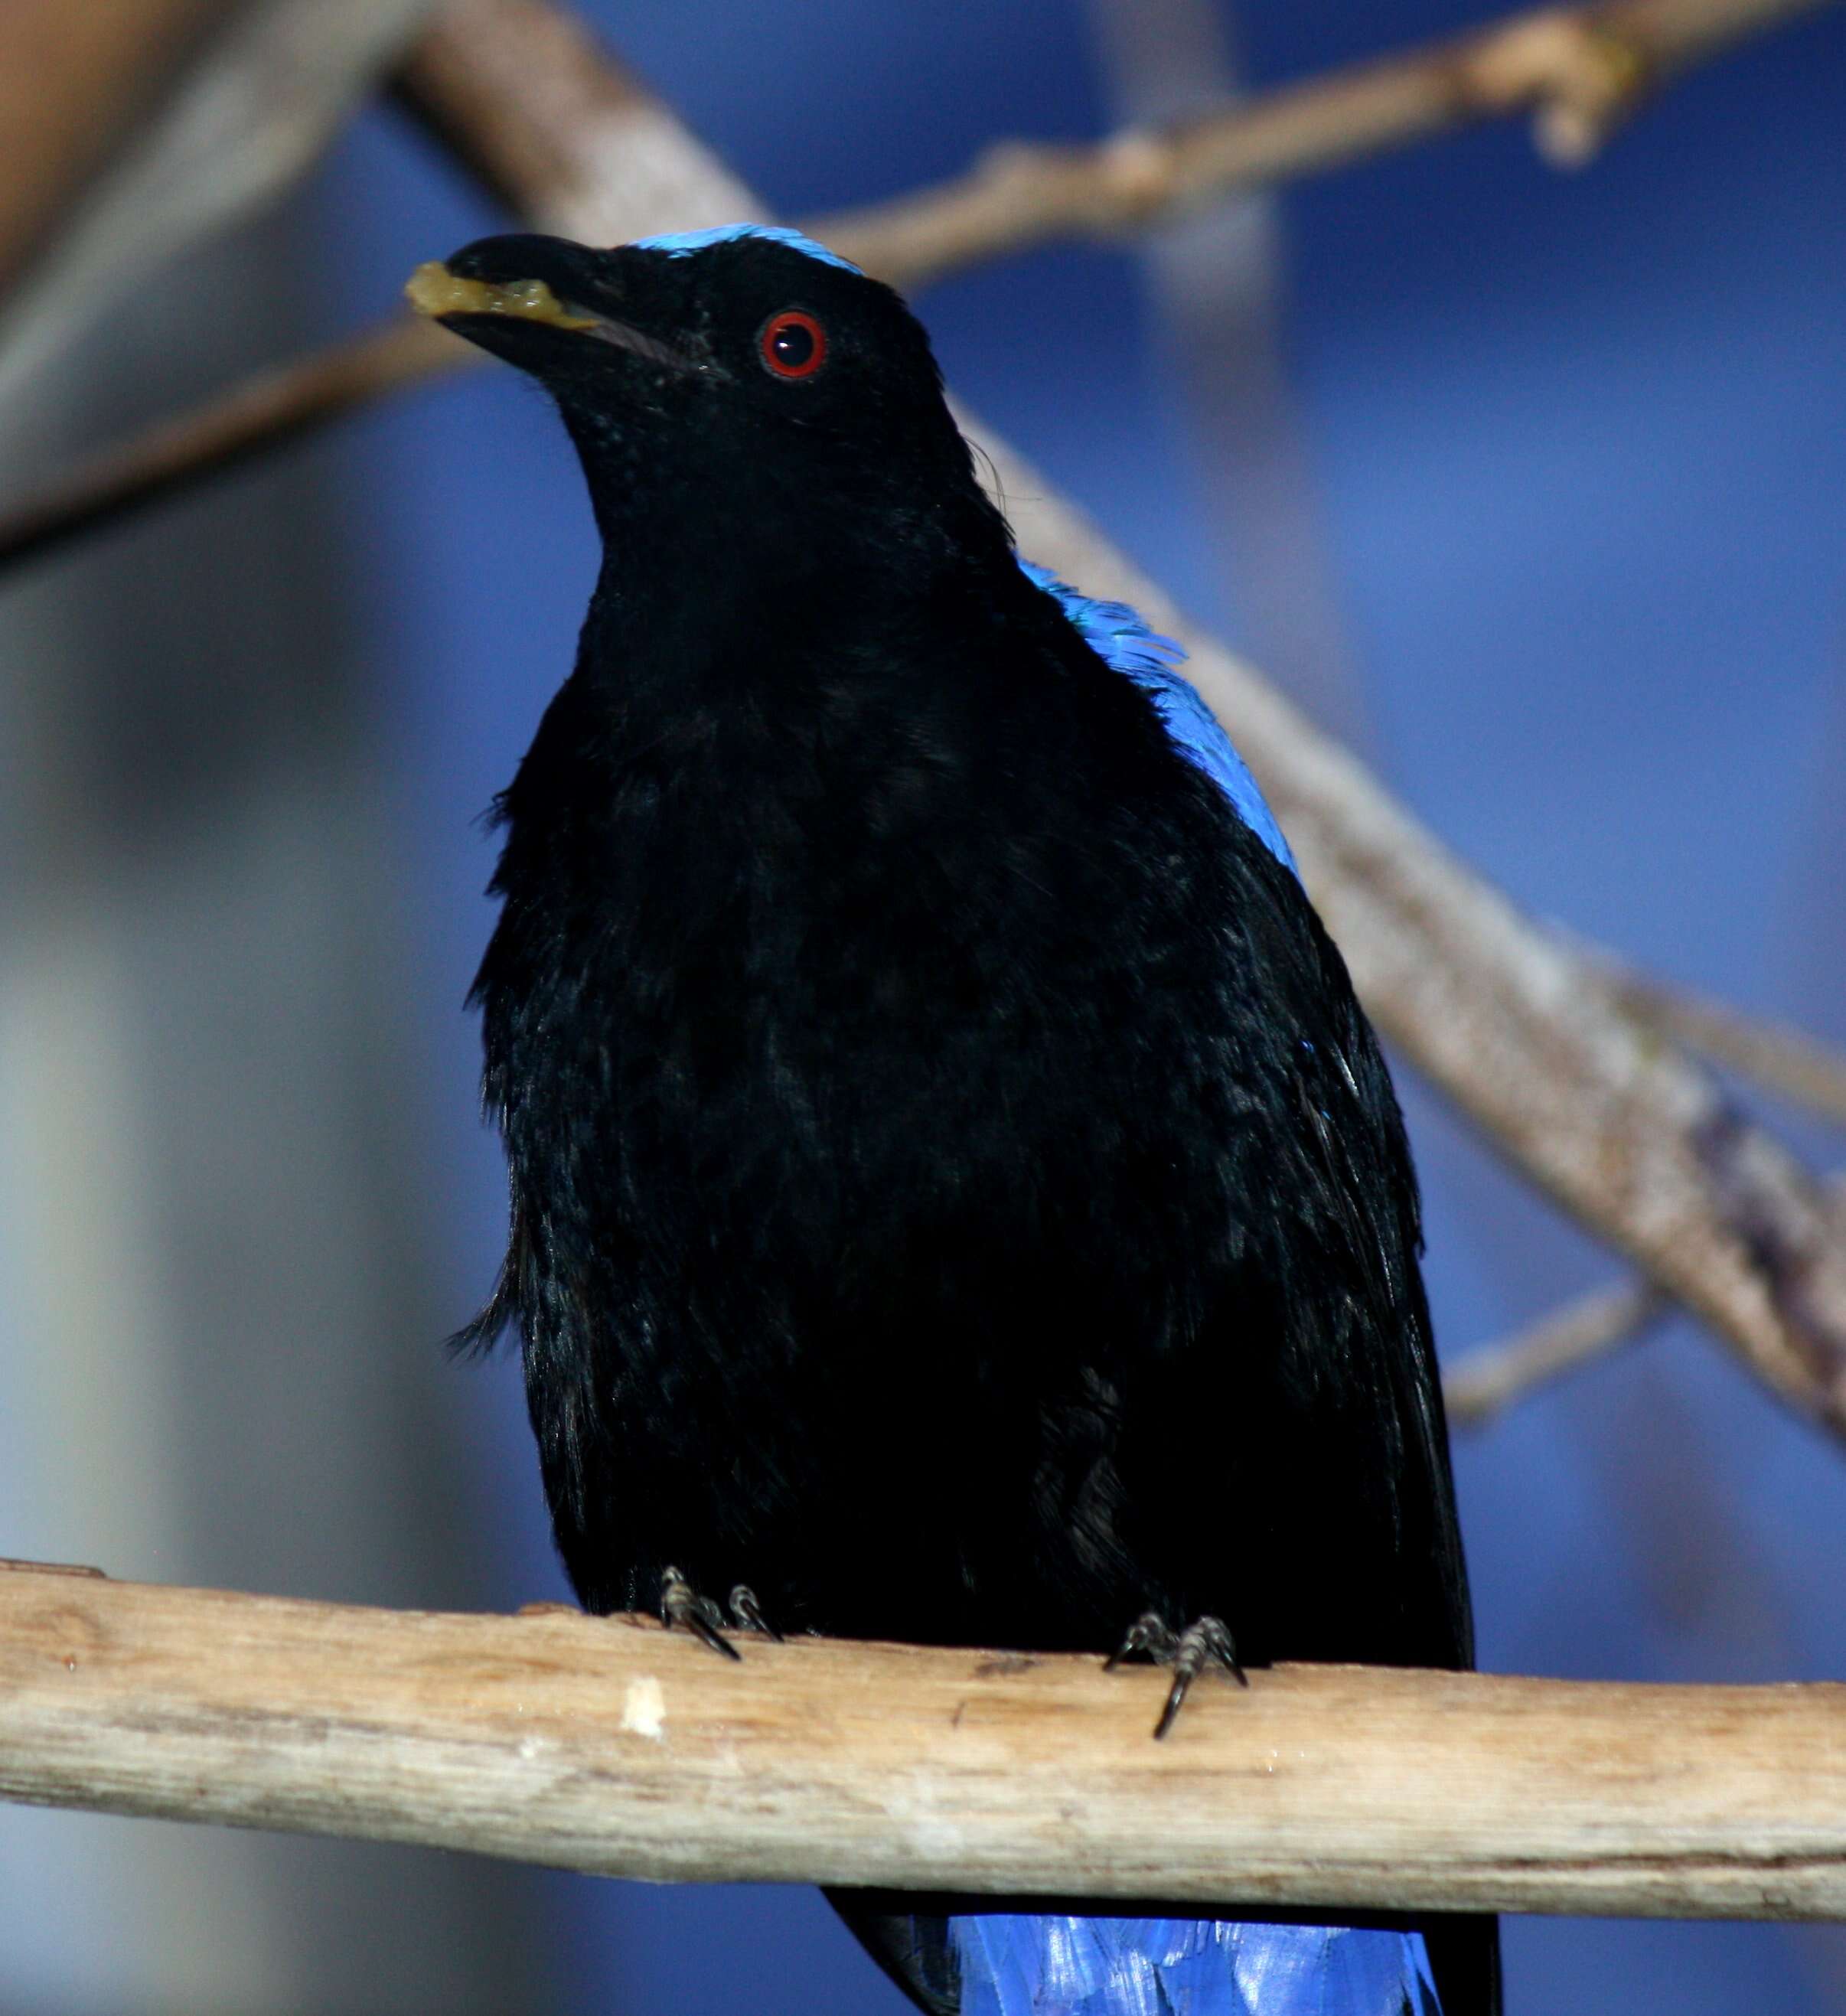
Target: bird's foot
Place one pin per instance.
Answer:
(682, 1604)
(1206, 1642)
(747, 1614)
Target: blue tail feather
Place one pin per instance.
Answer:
(1049, 1965)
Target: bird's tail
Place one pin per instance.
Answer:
(1047, 1965)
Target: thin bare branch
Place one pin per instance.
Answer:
(1579, 70)
(1488, 1380)
(1801, 1068)
(609, 1746)
(273, 406)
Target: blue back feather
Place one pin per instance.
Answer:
(1053, 1966)
(1122, 639)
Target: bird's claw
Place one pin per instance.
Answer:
(682, 1604)
(1206, 1642)
(746, 1613)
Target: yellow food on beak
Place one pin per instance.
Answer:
(432, 289)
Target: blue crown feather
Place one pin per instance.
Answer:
(681, 244)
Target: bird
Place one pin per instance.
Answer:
(956, 1196)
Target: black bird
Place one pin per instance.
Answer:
(956, 1195)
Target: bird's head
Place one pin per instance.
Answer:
(745, 383)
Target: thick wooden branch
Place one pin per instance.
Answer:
(612, 1746)
(582, 149)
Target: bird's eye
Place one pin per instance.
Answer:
(792, 344)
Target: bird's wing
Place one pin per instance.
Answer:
(1350, 1126)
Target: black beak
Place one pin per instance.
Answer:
(533, 300)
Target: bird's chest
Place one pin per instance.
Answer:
(836, 999)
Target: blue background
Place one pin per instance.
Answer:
(1578, 452)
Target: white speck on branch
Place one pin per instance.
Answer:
(609, 1746)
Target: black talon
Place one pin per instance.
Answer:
(747, 1613)
(681, 1604)
(1148, 1635)
(1205, 1642)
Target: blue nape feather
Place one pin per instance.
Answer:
(1122, 639)
(1053, 1966)
(679, 244)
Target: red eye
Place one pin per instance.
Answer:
(792, 344)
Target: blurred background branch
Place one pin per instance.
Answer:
(73, 80)
(1488, 1379)
(1797, 1067)
(1578, 71)
(569, 156)
(1521, 1031)
(183, 147)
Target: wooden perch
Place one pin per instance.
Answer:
(585, 151)
(612, 1746)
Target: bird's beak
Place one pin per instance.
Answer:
(509, 294)
(434, 291)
